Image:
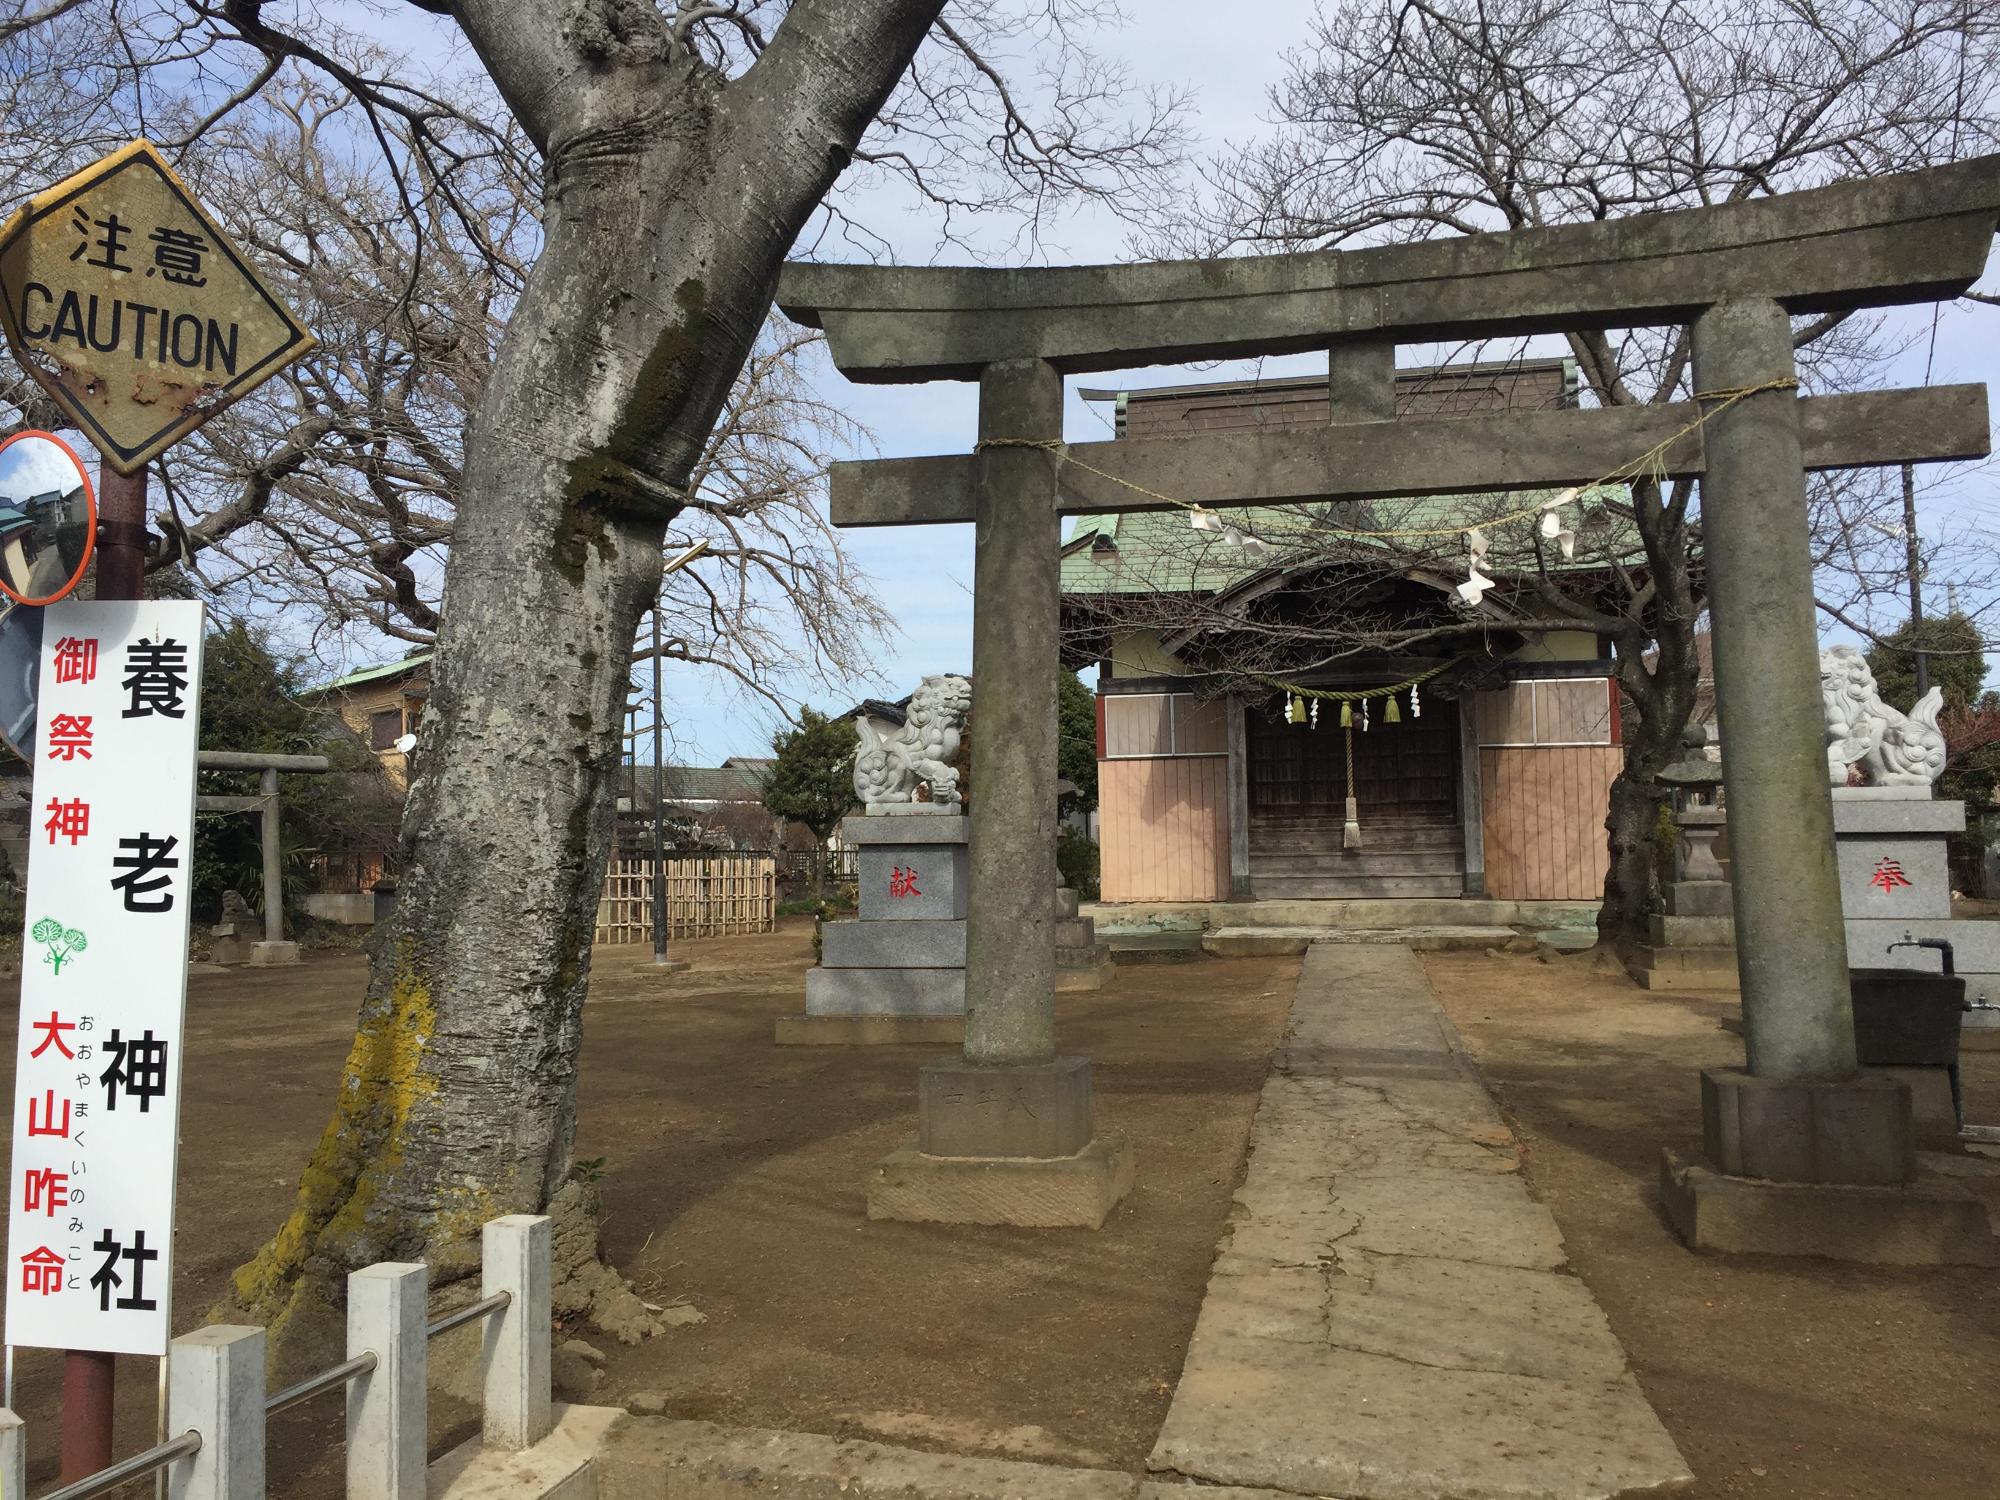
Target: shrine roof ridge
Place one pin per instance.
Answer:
(1907, 237)
(1158, 553)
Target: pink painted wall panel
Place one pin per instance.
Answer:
(1544, 821)
(1165, 828)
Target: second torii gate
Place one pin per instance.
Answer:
(1735, 273)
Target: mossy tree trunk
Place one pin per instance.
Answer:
(672, 197)
(1662, 694)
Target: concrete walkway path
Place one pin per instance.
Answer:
(1390, 1315)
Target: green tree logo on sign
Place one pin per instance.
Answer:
(63, 945)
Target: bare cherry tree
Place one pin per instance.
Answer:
(1413, 119)
(682, 148)
(329, 496)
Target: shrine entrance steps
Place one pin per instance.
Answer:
(1400, 858)
(1244, 929)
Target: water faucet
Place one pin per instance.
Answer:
(1942, 946)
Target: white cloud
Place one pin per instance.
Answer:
(34, 466)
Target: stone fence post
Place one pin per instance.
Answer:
(515, 1353)
(13, 1456)
(215, 1386)
(387, 1409)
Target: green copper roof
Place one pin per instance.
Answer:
(1160, 552)
(374, 674)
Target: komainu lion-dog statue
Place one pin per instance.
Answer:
(1889, 748)
(912, 762)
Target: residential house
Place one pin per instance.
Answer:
(707, 807)
(383, 705)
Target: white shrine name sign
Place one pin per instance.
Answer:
(97, 1079)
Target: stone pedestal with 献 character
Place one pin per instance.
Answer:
(895, 974)
(1006, 1132)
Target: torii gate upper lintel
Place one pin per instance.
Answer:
(1885, 241)
(1734, 273)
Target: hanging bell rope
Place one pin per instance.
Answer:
(1350, 831)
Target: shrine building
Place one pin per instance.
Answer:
(1217, 779)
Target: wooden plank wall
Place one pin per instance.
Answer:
(1544, 820)
(1165, 825)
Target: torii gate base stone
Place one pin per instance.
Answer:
(1804, 1152)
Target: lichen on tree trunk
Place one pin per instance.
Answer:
(671, 200)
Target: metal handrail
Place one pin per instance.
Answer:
(327, 1380)
(466, 1315)
(189, 1443)
(365, 1362)
(125, 1470)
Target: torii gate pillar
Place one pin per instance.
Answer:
(1799, 1112)
(1797, 1020)
(1004, 1132)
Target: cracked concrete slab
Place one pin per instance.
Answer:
(1391, 1315)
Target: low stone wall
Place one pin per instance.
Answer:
(348, 908)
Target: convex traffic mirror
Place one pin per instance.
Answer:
(48, 518)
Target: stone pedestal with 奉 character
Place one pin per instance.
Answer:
(1893, 842)
(1828, 1164)
(896, 973)
(1895, 897)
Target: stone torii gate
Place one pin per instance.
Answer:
(1800, 1111)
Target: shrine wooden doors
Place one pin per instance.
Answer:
(1405, 781)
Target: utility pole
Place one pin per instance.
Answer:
(1914, 562)
(659, 804)
(660, 960)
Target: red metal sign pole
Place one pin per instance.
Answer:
(121, 534)
(89, 1375)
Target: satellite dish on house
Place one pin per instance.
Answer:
(406, 743)
(48, 518)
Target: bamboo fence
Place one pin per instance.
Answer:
(708, 895)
